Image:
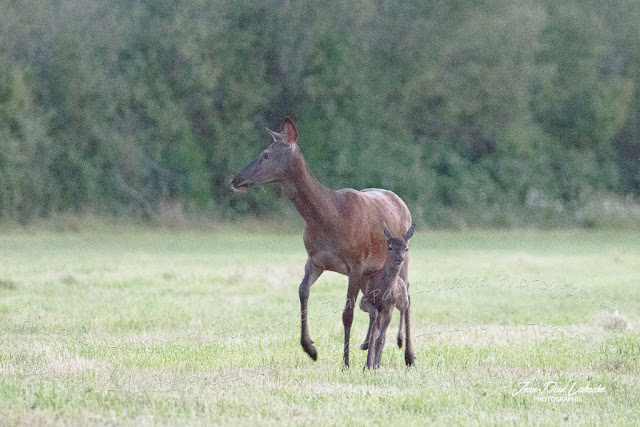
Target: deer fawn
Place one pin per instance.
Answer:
(343, 228)
(385, 290)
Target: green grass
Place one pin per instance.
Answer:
(141, 327)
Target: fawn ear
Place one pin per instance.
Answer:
(386, 232)
(410, 232)
(274, 135)
(289, 132)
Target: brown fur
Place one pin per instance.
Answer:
(385, 289)
(343, 228)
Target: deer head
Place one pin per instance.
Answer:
(273, 162)
(398, 246)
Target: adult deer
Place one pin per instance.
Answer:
(343, 228)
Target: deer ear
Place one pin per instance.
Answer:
(386, 232)
(410, 232)
(289, 132)
(274, 135)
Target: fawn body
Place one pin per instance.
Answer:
(384, 291)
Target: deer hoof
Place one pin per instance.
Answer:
(409, 359)
(310, 350)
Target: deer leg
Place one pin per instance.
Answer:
(400, 329)
(374, 321)
(409, 357)
(385, 319)
(311, 274)
(347, 314)
(365, 305)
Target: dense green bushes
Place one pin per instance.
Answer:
(496, 113)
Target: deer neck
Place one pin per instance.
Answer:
(314, 201)
(390, 271)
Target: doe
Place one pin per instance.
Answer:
(385, 290)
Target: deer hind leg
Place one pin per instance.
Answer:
(409, 357)
(400, 329)
(311, 274)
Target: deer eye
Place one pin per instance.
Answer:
(390, 248)
(265, 156)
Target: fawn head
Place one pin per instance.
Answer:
(273, 162)
(398, 246)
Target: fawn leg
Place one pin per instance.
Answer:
(374, 321)
(365, 305)
(311, 274)
(385, 319)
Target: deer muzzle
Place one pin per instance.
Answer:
(239, 185)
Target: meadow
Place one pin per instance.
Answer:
(140, 327)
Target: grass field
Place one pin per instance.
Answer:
(140, 327)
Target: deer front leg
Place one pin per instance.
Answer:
(311, 274)
(384, 320)
(347, 315)
(366, 305)
(374, 322)
(400, 329)
(402, 304)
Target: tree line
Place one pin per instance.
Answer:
(490, 113)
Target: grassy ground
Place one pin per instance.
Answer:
(146, 328)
